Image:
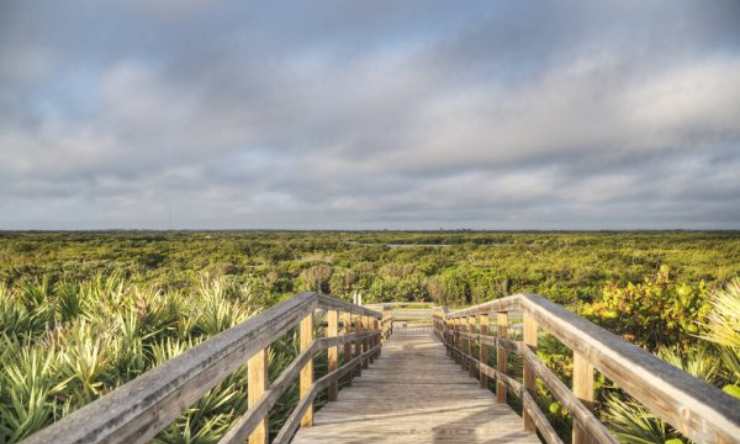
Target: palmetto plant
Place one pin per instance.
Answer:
(87, 359)
(724, 330)
(18, 318)
(716, 362)
(208, 419)
(700, 361)
(632, 423)
(31, 388)
(65, 345)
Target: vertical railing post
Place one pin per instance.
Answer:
(471, 331)
(347, 352)
(483, 348)
(446, 335)
(306, 380)
(455, 341)
(386, 321)
(357, 322)
(366, 341)
(583, 388)
(529, 330)
(451, 336)
(377, 338)
(332, 331)
(502, 327)
(460, 341)
(256, 387)
(371, 327)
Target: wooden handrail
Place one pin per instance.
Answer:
(699, 411)
(138, 410)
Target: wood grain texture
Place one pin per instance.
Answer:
(332, 330)
(583, 388)
(387, 321)
(483, 348)
(306, 378)
(502, 326)
(413, 393)
(347, 352)
(256, 387)
(471, 331)
(701, 412)
(365, 325)
(357, 323)
(529, 339)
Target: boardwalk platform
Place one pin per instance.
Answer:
(414, 393)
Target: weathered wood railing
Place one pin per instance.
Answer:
(701, 412)
(138, 410)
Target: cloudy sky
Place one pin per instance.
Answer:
(374, 114)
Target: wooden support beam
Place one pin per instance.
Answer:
(357, 322)
(366, 341)
(377, 327)
(502, 326)
(529, 333)
(483, 349)
(306, 380)
(332, 330)
(455, 340)
(471, 330)
(459, 341)
(583, 388)
(347, 352)
(463, 328)
(256, 387)
(387, 315)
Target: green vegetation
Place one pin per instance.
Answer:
(149, 296)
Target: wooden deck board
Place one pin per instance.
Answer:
(415, 394)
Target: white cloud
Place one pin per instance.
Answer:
(458, 123)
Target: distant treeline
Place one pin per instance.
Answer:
(473, 266)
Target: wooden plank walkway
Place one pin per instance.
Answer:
(414, 393)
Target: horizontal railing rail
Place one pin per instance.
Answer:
(138, 410)
(699, 411)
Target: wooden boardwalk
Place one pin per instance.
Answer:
(414, 393)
